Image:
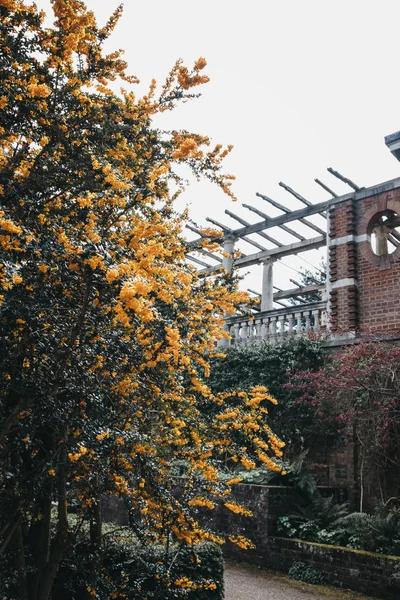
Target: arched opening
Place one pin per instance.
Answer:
(384, 229)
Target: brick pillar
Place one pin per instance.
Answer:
(343, 270)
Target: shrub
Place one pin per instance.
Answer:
(275, 366)
(139, 573)
(328, 523)
(302, 572)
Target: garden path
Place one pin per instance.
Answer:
(247, 582)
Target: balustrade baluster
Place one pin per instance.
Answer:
(243, 333)
(265, 329)
(258, 329)
(308, 321)
(316, 320)
(250, 332)
(282, 319)
(272, 326)
(290, 319)
(299, 328)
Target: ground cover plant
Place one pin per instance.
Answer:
(105, 329)
(324, 521)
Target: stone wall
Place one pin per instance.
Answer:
(361, 571)
(343, 567)
(365, 572)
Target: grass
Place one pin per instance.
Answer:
(323, 590)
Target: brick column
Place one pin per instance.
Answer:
(343, 271)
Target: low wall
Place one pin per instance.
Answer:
(367, 572)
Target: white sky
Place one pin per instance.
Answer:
(296, 86)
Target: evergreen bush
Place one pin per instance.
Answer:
(133, 572)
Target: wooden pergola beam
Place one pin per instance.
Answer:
(254, 292)
(253, 243)
(223, 227)
(326, 188)
(286, 210)
(299, 291)
(314, 209)
(210, 254)
(281, 303)
(343, 178)
(277, 253)
(260, 233)
(194, 229)
(295, 194)
(295, 215)
(282, 226)
(253, 259)
(198, 261)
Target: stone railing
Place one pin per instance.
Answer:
(276, 324)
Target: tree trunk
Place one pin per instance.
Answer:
(60, 544)
(38, 540)
(16, 546)
(95, 538)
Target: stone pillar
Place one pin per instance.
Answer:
(227, 264)
(229, 248)
(267, 296)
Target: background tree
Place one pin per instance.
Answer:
(105, 329)
(359, 388)
(316, 276)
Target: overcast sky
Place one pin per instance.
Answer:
(296, 86)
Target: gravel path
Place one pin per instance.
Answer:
(247, 582)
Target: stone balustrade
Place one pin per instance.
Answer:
(272, 325)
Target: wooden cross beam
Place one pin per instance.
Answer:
(286, 210)
(326, 188)
(223, 227)
(282, 226)
(269, 222)
(295, 194)
(253, 243)
(210, 254)
(194, 229)
(253, 259)
(198, 261)
(281, 303)
(303, 246)
(299, 291)
(343, 178)
(260, 233)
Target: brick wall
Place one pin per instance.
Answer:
(378, 277)
(365, 295)
(344, 567)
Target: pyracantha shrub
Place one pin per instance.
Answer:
(105, 329)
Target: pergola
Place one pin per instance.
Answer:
(315, 238)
